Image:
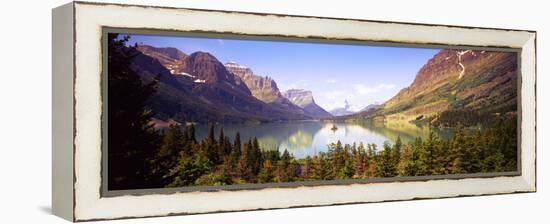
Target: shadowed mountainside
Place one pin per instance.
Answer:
(199, 88)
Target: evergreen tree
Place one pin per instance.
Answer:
(173, 144)
(308, 167)
(457, 151)
(189, 170)
(430, 154)
(210, 146)
(283, 174)
(336, 156)
(385, 165)
(235, 157)
(246, 162)
(256, 160)
(360, 161)
(267, 173)
(217, 178)
(396, 151)
(132, 140)
(211, 136)
(322, 169)
(414, 163)
(223, 147)
(191, 134)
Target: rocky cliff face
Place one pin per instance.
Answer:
(168, 56)
(263, 88)
(201, 89)
(459, 79)
(304, 99)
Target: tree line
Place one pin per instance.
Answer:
(184, 161)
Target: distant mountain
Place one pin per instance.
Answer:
(454, 80)
(304, 99)
(342, 111)
(373, 106)
(263, 88)
(201, 89)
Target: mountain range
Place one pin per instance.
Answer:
(459, 80)
(199, 88)
(342, 111)
(263, 88)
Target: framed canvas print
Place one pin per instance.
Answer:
(162, 111)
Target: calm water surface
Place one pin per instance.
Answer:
(303, 138)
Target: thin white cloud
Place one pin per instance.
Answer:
(330, 81)
(363, 89)
(358, 96)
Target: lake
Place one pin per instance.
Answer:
(303, 138)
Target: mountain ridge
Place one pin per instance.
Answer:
(201, 89)
(305, 100)
(263, 88)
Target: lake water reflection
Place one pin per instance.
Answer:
(303, 138)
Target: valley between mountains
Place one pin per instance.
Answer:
(471, 84)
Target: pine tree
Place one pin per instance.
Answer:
(322, 169)
(227, 146)
(246, 162)
(210, 146)
(414, 163)
(396, 151)
(282, 169)
(221, 147)
(430, 154)
(386, 166)
(308, 167)
(190, 169)
(173, 145)
(360, 161)
(267, 173)
(235, 157)
(336, 156)
(132, 139)
(191, 134)
(211, 136)
(256, 160)
(372, 157)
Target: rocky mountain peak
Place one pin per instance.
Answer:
(299, 97)
(455, 79)
(169, 57)
(263, 87)
(304, 99)
(168, 52)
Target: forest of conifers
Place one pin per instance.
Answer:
(140, 156)
(182, 161)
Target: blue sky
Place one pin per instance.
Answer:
(360, 74)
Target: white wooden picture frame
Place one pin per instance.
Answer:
(78, 28)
